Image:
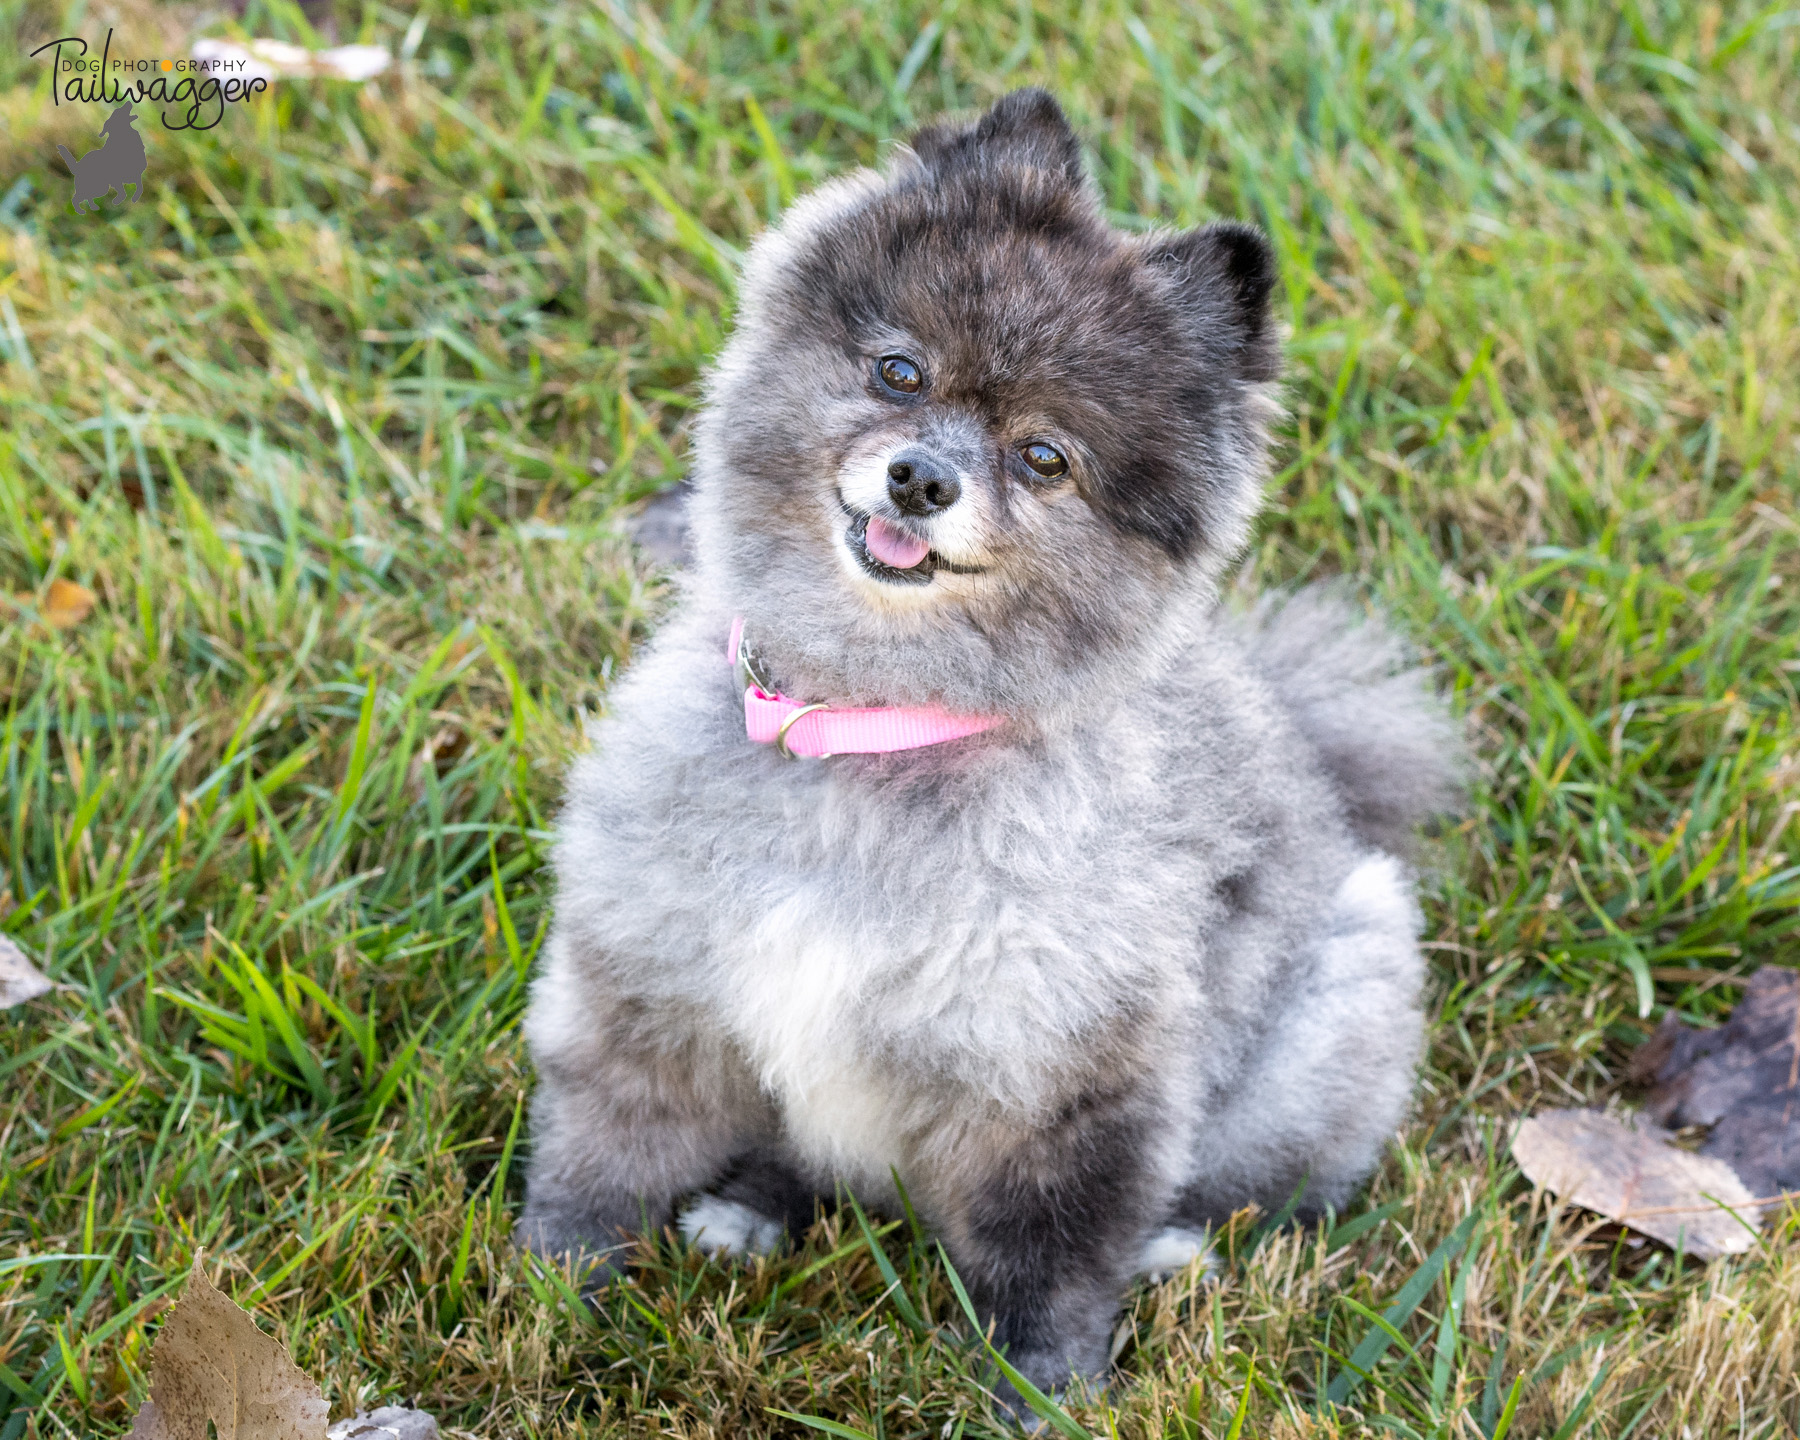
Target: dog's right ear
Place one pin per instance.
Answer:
(1025, 127)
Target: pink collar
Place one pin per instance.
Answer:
(819, 730)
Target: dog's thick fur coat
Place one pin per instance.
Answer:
(1091, 981)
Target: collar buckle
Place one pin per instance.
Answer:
(743, 666)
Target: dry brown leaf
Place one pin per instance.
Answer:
(211, 1362)
(20, 980)
(1742, 1079)
(67, 604)
(1635, 1176)
(276, 59)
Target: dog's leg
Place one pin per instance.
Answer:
(633, 1109)
(1334, 1069)
(1047, 1232)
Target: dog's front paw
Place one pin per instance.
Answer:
(726, 1227)
(1172, 1249)
(560, 1235)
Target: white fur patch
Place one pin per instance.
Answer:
(724, 1227)
(796, 996)
(553, 1025)
(863, 480)
(1374, 896)
(1172, 1249)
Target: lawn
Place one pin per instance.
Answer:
(339, 426)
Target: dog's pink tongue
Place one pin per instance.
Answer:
(892, 546)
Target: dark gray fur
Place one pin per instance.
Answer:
(1140, 956)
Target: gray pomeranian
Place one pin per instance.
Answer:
(949, 830)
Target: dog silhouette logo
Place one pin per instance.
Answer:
(119, 162)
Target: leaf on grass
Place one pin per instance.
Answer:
(390, 1422)
(212, 1362)
(64, 606)
(20, 980)
(1635, 1176)
(1742, 1079)
(278, 60)
(67, 604)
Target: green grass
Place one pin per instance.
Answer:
(338, 424)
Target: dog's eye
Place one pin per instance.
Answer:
(900, 375)
(1047, 460)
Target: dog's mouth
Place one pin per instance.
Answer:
(888, 552)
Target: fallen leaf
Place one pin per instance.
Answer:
(20, 980)
(278, 60)
(390, 1422)
(1742, 1079)
(1632, 1174)
(211, 1362)
(67, 604)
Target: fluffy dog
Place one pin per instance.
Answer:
(1135, 951)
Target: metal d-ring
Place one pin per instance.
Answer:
(788, 724)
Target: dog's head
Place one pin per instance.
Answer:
(122, 118)
(969, 441)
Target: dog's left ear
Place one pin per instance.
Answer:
(1224, 273)
(1025, 127)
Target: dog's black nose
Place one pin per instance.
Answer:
(921, 484)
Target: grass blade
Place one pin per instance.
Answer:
(1374, 1345)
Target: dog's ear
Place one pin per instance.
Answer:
(1025, 127)
(1223, 274)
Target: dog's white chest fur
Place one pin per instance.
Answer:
(863, 1034)
(795, 992)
